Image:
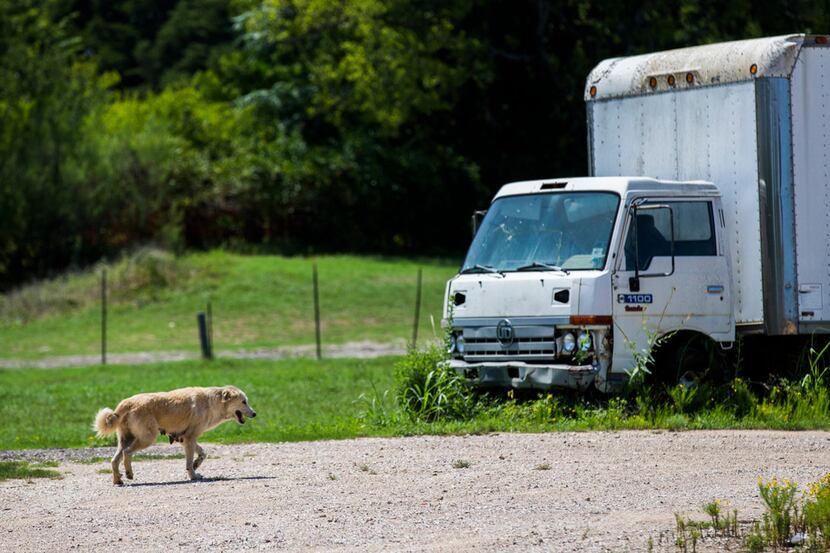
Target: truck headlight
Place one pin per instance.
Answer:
(452, 345)
(459, 344)
(568, 343)
(584, 341)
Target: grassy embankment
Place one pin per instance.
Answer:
(258, 301)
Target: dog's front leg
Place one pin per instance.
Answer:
(189, 449)
(200, 456)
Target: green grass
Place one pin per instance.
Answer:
(24, 470)
(297, 399)
(258, 301)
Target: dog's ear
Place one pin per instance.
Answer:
(227, 395)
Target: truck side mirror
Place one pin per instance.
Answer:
(477, 217)
(644, 239)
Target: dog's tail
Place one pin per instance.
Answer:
(105, 421)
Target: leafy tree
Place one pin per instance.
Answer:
(45, 96)
(150, 43)
(373, 125)
(362, 88)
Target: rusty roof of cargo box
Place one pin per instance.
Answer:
(706, 65)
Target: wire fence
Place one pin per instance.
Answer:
(369, 311)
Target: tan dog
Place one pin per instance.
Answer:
(183, 414)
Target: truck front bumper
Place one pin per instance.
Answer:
(517, 374)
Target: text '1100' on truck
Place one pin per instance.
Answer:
(723, 230)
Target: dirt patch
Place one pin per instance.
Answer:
(598, 492)
(360, 350)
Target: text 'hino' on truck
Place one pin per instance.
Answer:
(723, 230)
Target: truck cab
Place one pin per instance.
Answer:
(568, 280)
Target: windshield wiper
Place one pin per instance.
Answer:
(538, 265)
(480, 269)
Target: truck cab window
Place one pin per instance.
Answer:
(565, 230)
(694, 233)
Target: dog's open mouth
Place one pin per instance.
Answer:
(239, 417)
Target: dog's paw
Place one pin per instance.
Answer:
(194, 476)
(129, 475)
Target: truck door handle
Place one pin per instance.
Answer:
(714, 289)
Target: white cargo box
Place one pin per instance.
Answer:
(753, 117)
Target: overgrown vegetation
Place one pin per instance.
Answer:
(427, 391)
(790, 520)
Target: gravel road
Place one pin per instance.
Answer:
(590, 492)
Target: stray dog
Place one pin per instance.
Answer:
(182, 414)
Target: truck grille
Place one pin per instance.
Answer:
(531, 343)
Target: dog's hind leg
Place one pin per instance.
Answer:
(136, 445)
(200, 456)
(116, 460)
(126, 449)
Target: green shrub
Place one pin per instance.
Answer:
(742, 400)
(428, 390)
(779, 500)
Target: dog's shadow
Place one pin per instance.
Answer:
(203, 480)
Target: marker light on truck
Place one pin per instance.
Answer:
(452, 343)
(584, 320)
(459, 344)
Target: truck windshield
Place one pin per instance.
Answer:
(542, 232)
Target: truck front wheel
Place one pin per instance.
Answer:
(690, 359)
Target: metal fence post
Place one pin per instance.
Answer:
(210, 326)
(104, 316)
(204, 342)
(417, 310)
(316, 311)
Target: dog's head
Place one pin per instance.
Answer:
(235, 404)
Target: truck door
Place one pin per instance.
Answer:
(671, 273)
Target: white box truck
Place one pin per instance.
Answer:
(724, 229)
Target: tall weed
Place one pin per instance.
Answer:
(428, 390)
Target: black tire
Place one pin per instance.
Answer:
(690, 359)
